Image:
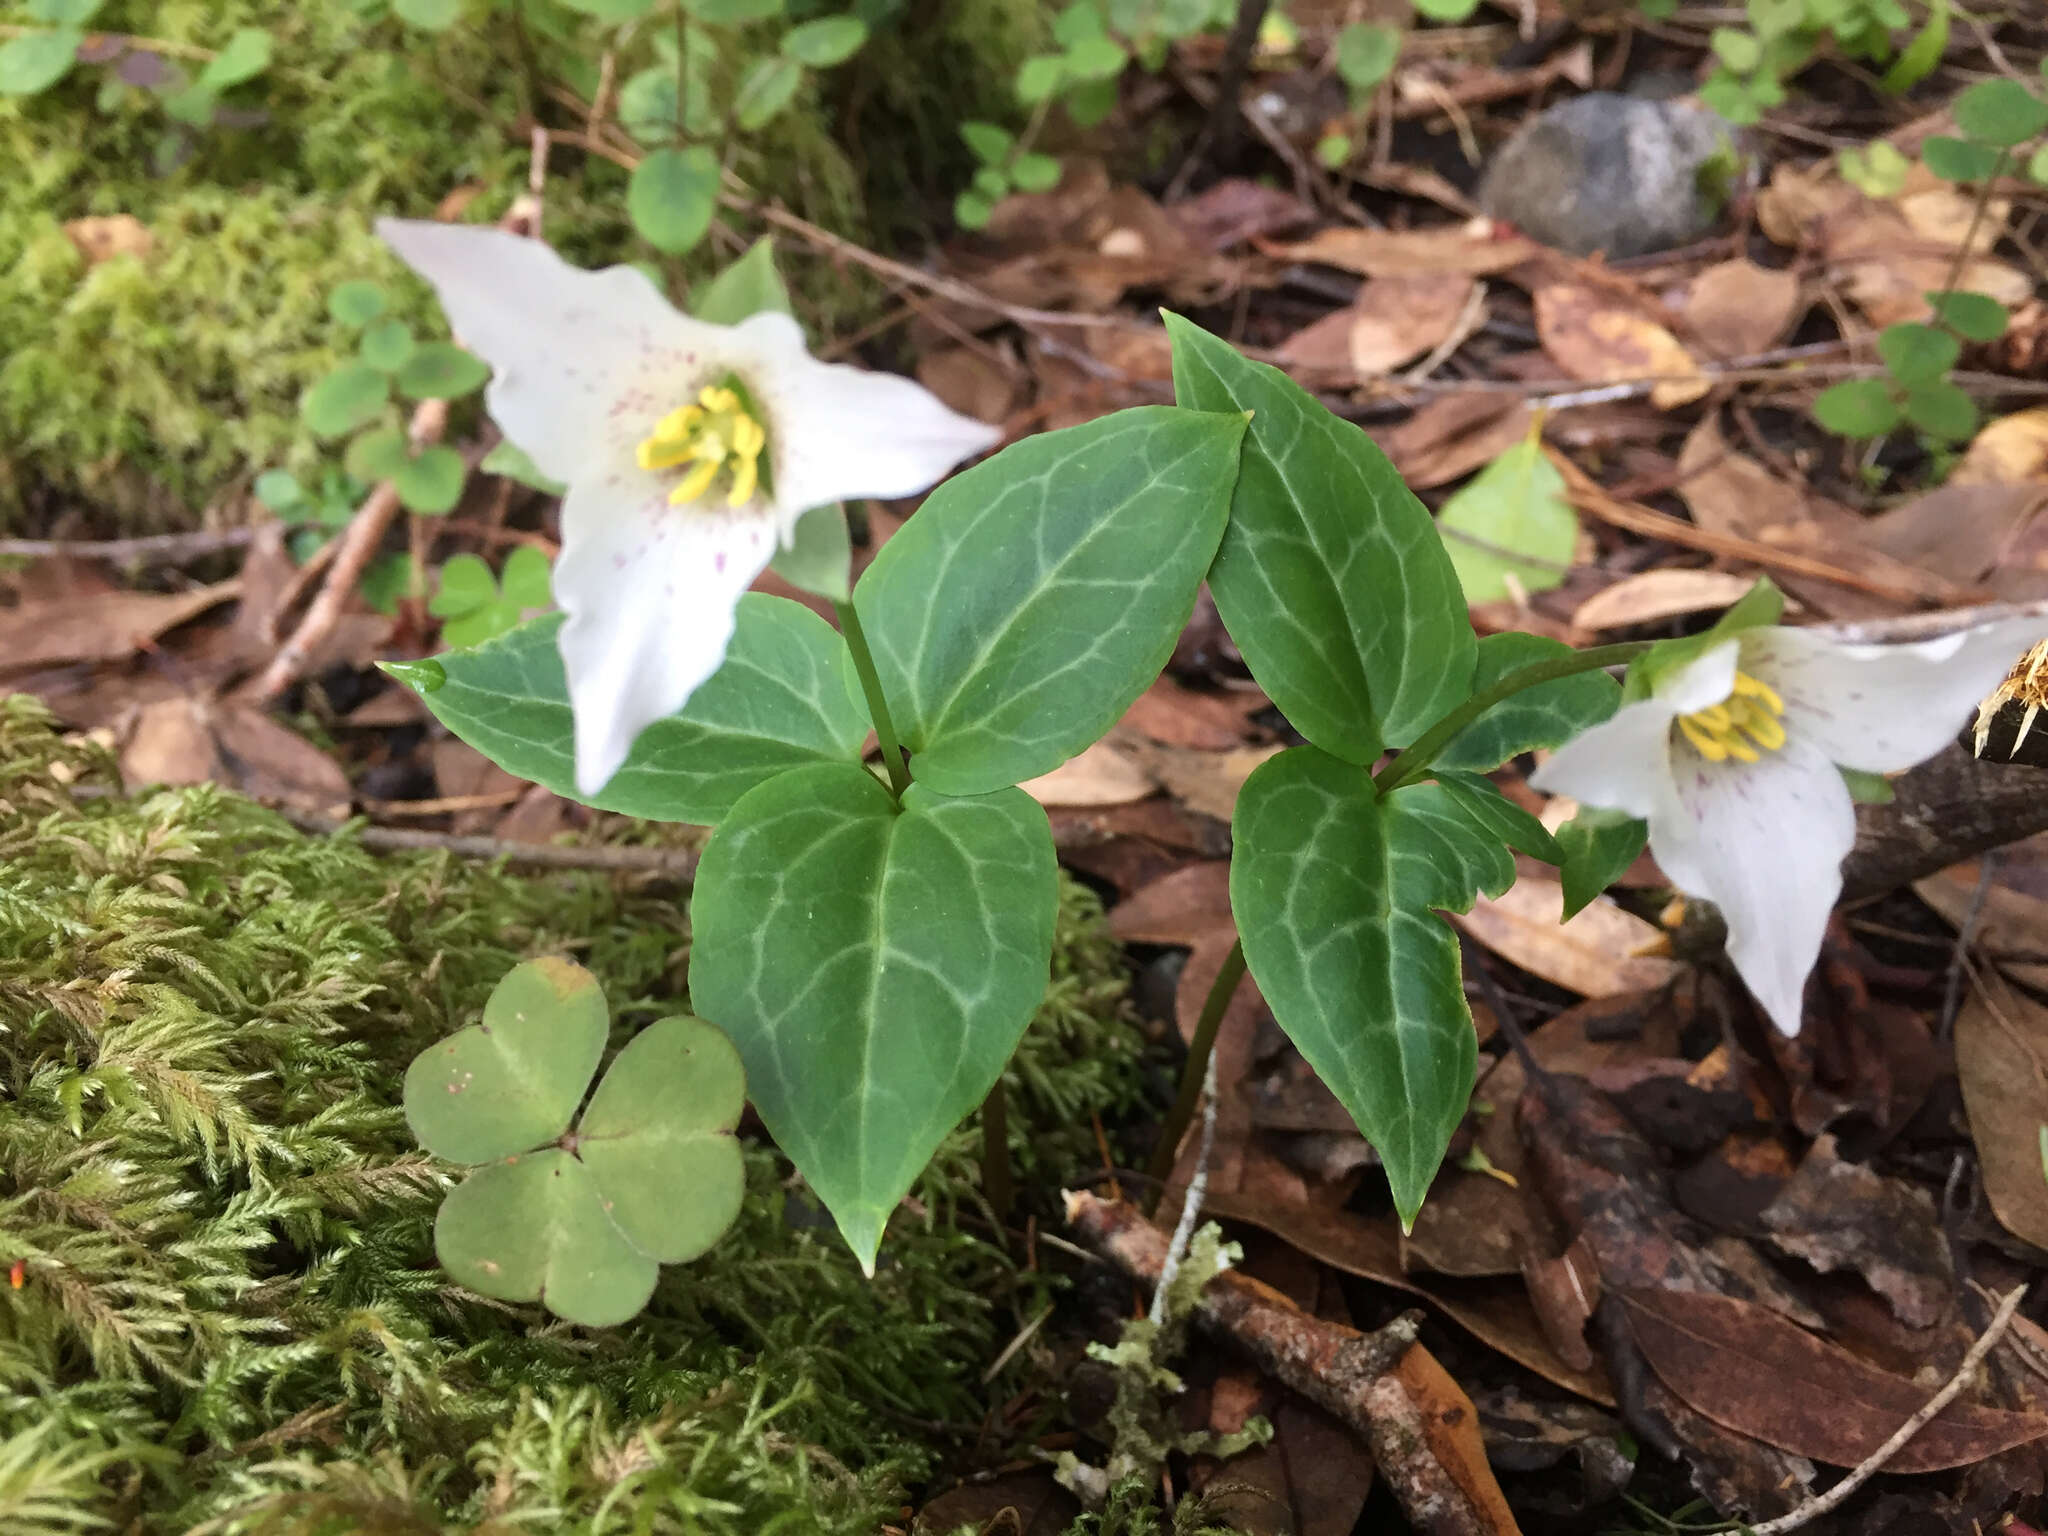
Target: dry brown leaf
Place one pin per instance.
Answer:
(2002, 1059)
(2012, 450)
(108, 626)
(1970, 534)
(1836, 1214)
(1181, 716)
(1207, 782)
(1181, 908)
(1747, 1368)
(2001, 918)
(1594, 955)
(1391, 321)
(1649, 596)
(1593, 338)
(1737, 308)
(198, 741)
(971, 382)
(1473, 249)
(1101, 775)
(106, 236)
(1451, 1425)
(1453, 436)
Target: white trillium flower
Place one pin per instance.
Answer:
(1732, 761)
(689, 450)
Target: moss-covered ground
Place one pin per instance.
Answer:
(221, 1310)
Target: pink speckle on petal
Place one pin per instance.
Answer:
(718, 562)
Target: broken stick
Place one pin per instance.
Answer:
(1345, 1372)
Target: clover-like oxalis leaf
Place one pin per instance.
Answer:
(658, 1138)
(1331, 577)
(1035, 596)
(512, 1082)
(785, 696)
(1336, 890)
(534, 1228)
(875, 964)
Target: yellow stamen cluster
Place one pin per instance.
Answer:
(719, 432)
(1752, 716)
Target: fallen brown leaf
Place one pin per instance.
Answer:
(1747, 1368)
(1593, 338)
(1453, 436)
(971, 382)
(1391, 321)
(1594, 955)
(109, 626)
(1650, 596)
(1100, 775)
(2001, 918)
(1737, 308)
(198, 741)
(1841, 1215)
(2012, 450)
(1472, 249)
(2002, 1059)
(1179, 716)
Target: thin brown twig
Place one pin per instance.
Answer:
(1872, 1464)
(166, 548)
(675, 863)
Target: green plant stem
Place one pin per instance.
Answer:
(1413, 763)
(995, 1151)
(878, 706)
(1962, 259)
(1191, 1074)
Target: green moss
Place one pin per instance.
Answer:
(228, 1316)
(144, 388)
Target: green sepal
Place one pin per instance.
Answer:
(1867, 788)
(1598, 846)
(1762, 605)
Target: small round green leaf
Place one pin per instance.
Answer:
(1096, 58)
(1857, 408)
(511, 1082)
(769, 87)
(991, 183)
(991, 145)
(350, 397)
(1973, 316)
(533, 1228)
(466, 585)
(440, 370)
(246, 56)
(35, 61)
(1917, 354)
(1035, 173)
(2001, 112)
(378, 454)
(1740, 51)
(658, 1138)
(527, 578)
(356, 303)
(1038, 78)
(386, 345)
(279, 490)
(428, 15)
(1942, 411)
(1366, 54)
(1333, 151)
(431, 484)
(1959, 159)
(672, 196)
(515, 463)
(1877, 170)
(972, 211)
(827, 41)
(2037, 165)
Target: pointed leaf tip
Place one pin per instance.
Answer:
(422, 677)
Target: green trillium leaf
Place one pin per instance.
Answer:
(875, 965)
(1336, 891)
(534, 1228)
(1331, 577)
(785, 697)
(511, 1082)
(1481, 802)
(1547, 715)
(1027, 604)
(658, 1139)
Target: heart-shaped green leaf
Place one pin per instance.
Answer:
(1033, 598)
(875, 965)
(1547, 715)
(512, 1082)
(658, 1138)
(785, 697)
(1598, 845)
(1331, 577)
(534, 1228)
(1336, 891)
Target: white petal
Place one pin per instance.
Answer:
(1621, 764)
(843, 432)
(1764, 842)
(559, 339)
(1701, 683)
(649, 590)
(1883, 708)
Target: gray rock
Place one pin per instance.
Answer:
(1605, 172)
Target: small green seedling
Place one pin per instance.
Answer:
(581, 1220)
(474, 605)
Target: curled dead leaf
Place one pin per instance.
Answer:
(1649, 596)
(1595, 339)
(1737, 308)
(1597, 954)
